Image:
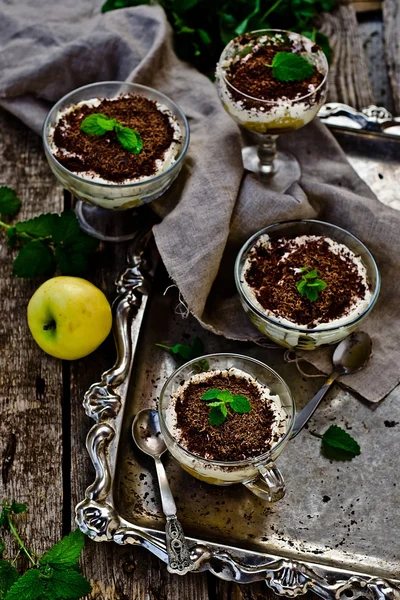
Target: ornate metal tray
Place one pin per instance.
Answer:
(337, 530)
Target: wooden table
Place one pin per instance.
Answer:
(43, 426)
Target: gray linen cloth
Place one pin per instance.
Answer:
(48, 49)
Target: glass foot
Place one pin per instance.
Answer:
(279, 175)
(108, 225)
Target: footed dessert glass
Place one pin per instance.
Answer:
(263, 120)
(260, 474)
(108, 210)
(298, 337)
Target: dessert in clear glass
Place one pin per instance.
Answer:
(306, 283)
(266, 106)
(98, 170)
(241, 446)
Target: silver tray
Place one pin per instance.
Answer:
(337, 530)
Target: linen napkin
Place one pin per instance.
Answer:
(48, 49)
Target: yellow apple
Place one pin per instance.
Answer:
(69, 317)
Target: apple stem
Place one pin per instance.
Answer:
(51, 325)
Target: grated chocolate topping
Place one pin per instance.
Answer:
(240, 436)
(251, 76)
(273, 280)
(104, 155)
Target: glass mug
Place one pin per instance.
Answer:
(259, 474)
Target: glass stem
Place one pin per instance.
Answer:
(267, 153)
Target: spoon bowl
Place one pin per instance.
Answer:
(352, 353)
(146, 433)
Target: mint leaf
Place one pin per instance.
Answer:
(67, 583)
(301, 286)
(240, 404)
(66, 227)
(28, 587)
(9, 201)
(129, 139)
(287, 66)
(73, 257)
(97, 124)
(18, 508)
(225, 396)
(215, 403)
(311, 274)
(2, 546)
(224, 410)
(66, 552)
(41, 226)
(211, 394)
(336, 437)
(215, 416)
(12, 238)
(187, 352)
(309, 285)
(4, 515)
(8, 576)
(34, 259)
(312, 294)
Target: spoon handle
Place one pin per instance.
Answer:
(309, 409)
(179, 560)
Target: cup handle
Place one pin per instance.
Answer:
(269, 484)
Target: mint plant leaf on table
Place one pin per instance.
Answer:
(8, 576)
(29, 586)
(67, 584)
(9, 201)
(34, 259)
(185, 351)
(336, 437)
(66, 552)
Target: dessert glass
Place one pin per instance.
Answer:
(260, 474)
(105, 209)
(267, 119)
(297, 336)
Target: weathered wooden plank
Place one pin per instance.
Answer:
(391, 34)
(116, 573)
(30, 381)
(349, 79)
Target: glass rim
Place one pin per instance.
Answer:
(98, 184)
(250, 243)
(234, 463)
(291, 100)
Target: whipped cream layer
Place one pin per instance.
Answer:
(357, 307)
(169, 158)
(226, 473)
(282, 111)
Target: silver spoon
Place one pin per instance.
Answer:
(148, 438)
(351, 355)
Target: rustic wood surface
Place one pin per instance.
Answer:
(43, 426)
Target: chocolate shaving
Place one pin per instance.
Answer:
(274, 280)
(103, 155)
(240, 436)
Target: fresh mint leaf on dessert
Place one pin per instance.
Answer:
(129, 138)
(338, 438)
(287, 66)
(9, 201)
(97, 124)
(309, 284)
(186, 351)
(223, 398)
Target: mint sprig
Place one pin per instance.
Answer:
(47, 243)
(222, 399)
(310, 284)
(287, 66)
(9, 201)
(337, 438)
(99, 124)
(53, 576)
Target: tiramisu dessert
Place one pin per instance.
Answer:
(123, 140)
(224, 415)
(309, 282)
(272, 81)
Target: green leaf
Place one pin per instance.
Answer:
(8, 576)
(211, 394)
(73, 257)
(66, 227)
(98, 124)
(311, 293)
(224, 410)
(225, 396)
(311, 274)
(301, 286)
(41, 226)
(215, 416)
(2, 546)
(4, 515)
(287, 66)
(205, 38)
(34, 259)
(9, 201)
(28, 587)
(129, 138)
(201, 366)
(183, 6)
(18, 508)
(241, 404)
(12, 237)
(188, 352)
(67, 583)
(182, 350)
(216, 403)
(66, 552)
(197, 347)
(336, 437)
